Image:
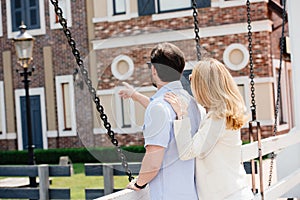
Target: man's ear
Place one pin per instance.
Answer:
(154, 72)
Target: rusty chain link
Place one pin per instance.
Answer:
(91, 89)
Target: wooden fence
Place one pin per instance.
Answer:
(283, 145)
(43, 172)
(108, 171)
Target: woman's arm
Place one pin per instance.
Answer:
(203, 141)
(130, 92)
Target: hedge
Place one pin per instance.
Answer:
(76, 155)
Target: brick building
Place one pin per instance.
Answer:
(115, 39)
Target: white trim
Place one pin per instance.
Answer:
(115, 18)
(224, 4)
(60, 115)
(2, 113)
(114, 67)
(243, 50)
(33, 32)
(170, 15)
(32, 91)
(139, 89)
(67, 14)
(1, 25)
(112, 18)
(52, 134)
(150, 38)
(11, 136)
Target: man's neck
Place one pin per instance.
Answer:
(161, 84)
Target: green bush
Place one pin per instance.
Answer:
(76, 155)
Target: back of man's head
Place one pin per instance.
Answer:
(168, 61)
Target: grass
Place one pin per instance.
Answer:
(78, 182)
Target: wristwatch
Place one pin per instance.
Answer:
(140, 187)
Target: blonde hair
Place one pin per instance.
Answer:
(215, 89)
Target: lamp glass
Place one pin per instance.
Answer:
(24, 48)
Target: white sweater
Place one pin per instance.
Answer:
(219, 170)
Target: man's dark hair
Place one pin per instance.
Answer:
(168, 61)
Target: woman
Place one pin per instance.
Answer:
(217, 144)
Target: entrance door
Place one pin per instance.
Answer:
(36, 122)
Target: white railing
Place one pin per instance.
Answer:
(249, 151)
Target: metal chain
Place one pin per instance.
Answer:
(253, 106)
(196, 29)
(92, 90)
(254, 125)
(278, 87)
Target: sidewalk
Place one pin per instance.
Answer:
(14, 182)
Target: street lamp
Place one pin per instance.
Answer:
(24, 45)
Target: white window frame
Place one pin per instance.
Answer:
(59, 80)
(67, 14)
(110, 13)
(2, 113)
(134, 127)
(1, 25)
(33, 32)
(32, 91)
(231, 48)
(119, 114)
(156, 7)
(232, 3)
(244, 80)
(114, 67)
(115, 10)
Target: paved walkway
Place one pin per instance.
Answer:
(14, 182)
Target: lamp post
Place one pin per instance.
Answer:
(24, 45)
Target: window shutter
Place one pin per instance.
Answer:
(146, 7)
(203, 3)
(16, 14)
(33, 14)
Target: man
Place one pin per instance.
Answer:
(169, 178)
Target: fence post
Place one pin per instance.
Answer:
(108, 179)
(43, 182)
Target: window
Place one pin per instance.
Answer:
(169, 5)
(2, 113)
(148, 7)
(119, 7)
(26, 12)
(30, 12)
(125, 105)
(65, 87)
(125, 113)
(65, 105)
(243, 86)
(236, 56)
(281, 116)
(65, 6)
